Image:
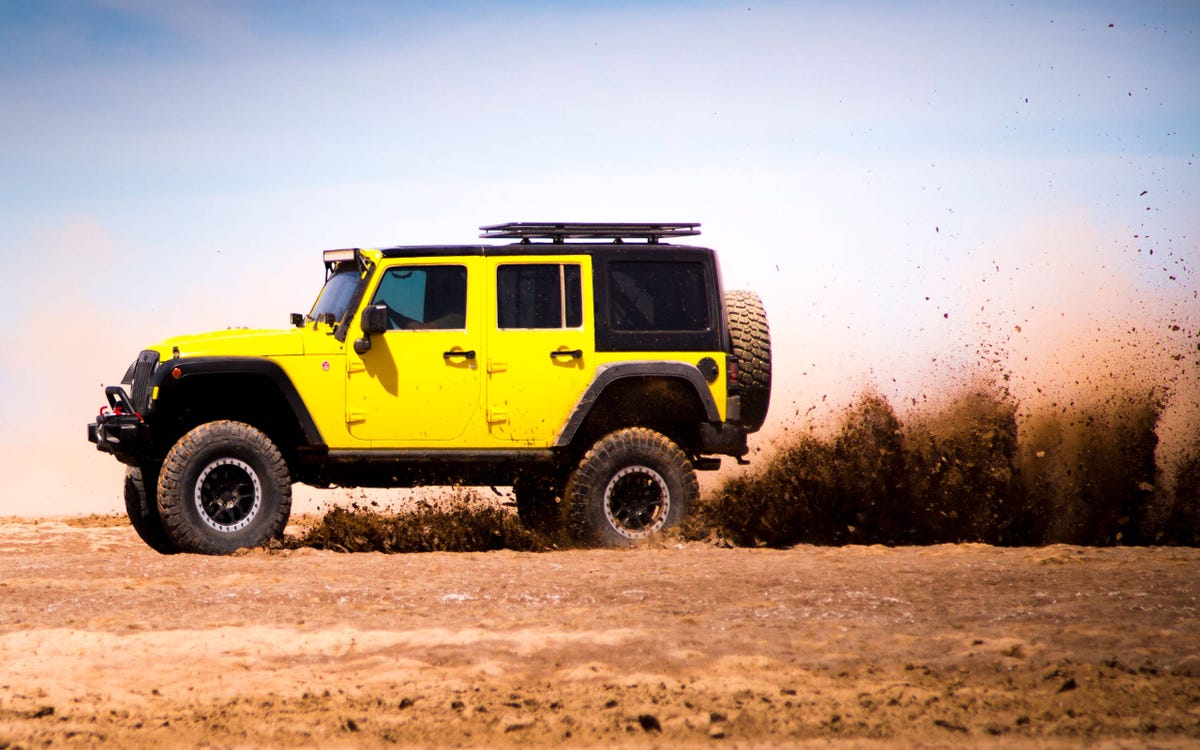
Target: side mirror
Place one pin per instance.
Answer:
(375, 319)
(297, 320)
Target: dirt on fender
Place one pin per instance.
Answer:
(104, 642)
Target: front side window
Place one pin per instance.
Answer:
(424, 297)
(539, 295)
(658, 296)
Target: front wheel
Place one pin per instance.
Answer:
(632, 484)
(222, 487)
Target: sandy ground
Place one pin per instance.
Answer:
(104, 642)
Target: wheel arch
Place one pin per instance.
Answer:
(670, 397)
(254, 391)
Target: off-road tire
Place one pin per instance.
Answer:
(631, 485)
(538, 504)
(752, 346)
(222, 487)
(142, 509)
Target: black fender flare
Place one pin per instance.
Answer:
(165, 378)
(608, 374)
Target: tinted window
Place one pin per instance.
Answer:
(658, 296)
(424, 297)
(539, 295)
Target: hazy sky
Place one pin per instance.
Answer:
(904, 183)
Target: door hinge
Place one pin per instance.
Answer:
(497, 366)
(356, 416)
(496, 415)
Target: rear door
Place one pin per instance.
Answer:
(540, 344)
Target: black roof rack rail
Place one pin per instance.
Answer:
(559, 232)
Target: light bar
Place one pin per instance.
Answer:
(339, 256)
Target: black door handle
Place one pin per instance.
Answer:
(469, 354)
(572, 353)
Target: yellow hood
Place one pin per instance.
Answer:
(237, 342)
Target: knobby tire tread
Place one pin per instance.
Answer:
(173, 497)
(143, 511)
(751, 337)
(594, 470)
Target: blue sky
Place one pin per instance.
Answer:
(170, 167)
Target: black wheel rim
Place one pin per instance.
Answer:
(228, 495)
(636, 502)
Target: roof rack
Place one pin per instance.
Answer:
(559, 232)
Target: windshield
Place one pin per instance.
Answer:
(336, 293)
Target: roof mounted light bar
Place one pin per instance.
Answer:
(338, 256)
(559, 232)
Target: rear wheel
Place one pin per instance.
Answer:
(142, 508)
(631, 485)
(222, 487)
(752, 346)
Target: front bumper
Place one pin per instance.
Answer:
(119, 430)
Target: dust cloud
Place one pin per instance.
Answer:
(976, 470)
(463, 521)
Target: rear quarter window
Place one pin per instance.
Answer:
(658, 299)
(658, 296)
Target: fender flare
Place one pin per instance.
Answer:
(193, 367)
(608, 374)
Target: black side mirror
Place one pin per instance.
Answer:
(297, 320)
(375, 319)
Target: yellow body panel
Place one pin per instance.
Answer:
(530, 392)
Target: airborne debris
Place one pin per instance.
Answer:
(467, 523)
(974, 471)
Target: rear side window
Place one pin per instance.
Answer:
(424, 297)
(658, 296)
(539, 295)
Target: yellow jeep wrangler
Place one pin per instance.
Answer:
(593, 367)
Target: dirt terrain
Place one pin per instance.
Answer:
(104, 642)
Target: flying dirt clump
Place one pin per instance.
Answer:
(960, 472)
(974, 471)
(463, 524)
(1183, 516)
(841, 491)
(1089, 472)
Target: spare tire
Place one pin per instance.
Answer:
(752, 347)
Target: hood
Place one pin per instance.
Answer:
(237, 342)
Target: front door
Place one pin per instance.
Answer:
(420, 381)
(540, 346)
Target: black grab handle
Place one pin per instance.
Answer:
(573, 354)
(469, 354)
